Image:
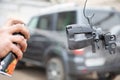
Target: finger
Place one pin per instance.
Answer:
(18, 28)
(6, 48)
(11, 22)
(3, 54)
(16, 50)
(21, 41)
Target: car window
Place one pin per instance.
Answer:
(64, 19)
(33, 23)
(109, 21)
(103, 19)
(45, 22)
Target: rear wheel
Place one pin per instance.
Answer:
(55, 69)
(109, 76)
(101, 76)
(112, 76)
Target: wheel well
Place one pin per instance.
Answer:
(51, 55)
(62, 55)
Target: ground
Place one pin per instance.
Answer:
(30, 73)
(27, 73)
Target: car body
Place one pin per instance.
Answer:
(48, 42)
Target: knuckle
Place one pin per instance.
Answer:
(13, 48)
(21, 26)
(22, 38)
(8, 42)
(18, 53)
(18, 50)
(20, 56)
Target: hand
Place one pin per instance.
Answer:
(7, 39)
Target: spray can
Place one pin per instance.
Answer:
(8, 64)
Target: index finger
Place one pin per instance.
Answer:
(11, 22)
(18, 28)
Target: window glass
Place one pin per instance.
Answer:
(33, 23)
(113, 21)
(64, 19)
(104, 19)
(45, 22)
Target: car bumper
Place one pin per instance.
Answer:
(77, 66)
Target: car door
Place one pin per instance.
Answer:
(64, 19)
(39, 42)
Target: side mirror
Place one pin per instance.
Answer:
(79, 36)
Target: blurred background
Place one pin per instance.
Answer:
(25, 10)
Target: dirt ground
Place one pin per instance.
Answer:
(30, 73)
(27, 73)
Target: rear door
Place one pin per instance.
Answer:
(38, 42)
(64, 19)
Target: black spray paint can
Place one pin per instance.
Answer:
(8, 64)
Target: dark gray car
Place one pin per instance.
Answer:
(48, 47)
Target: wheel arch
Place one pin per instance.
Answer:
(59, 52)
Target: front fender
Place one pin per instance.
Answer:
(56, 51)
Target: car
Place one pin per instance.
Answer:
(48, 46)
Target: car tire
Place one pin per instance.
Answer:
(55, 69)
(72, 78)
(101, 76)
(111, 76)
(55, 66)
